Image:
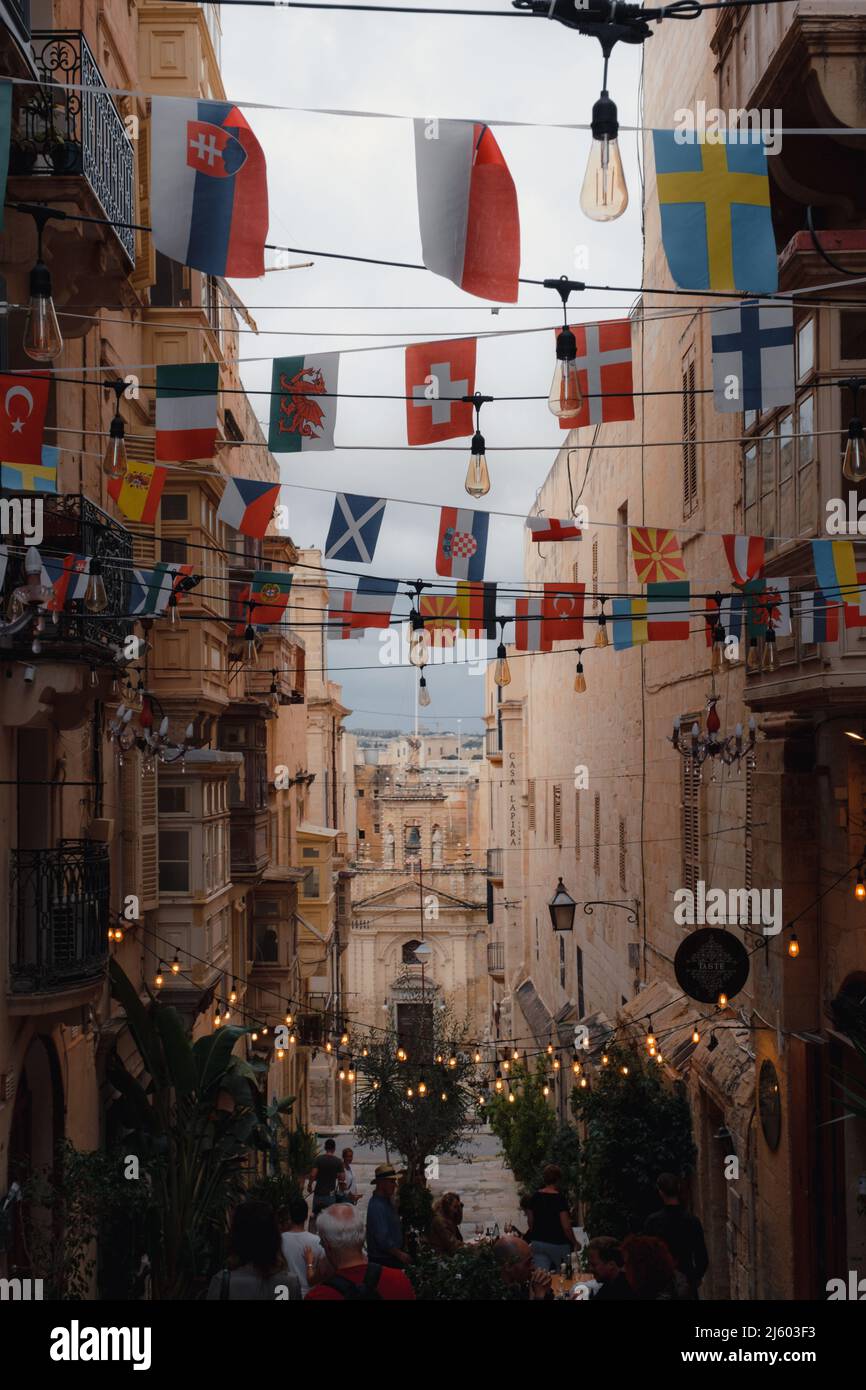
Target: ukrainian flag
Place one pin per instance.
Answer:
(714, 201)
(629, 623)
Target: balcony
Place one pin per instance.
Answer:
(58, 935)
(70, 148)
(495, 861)
(493, 742)
(73, 525)
(283, 652)
(496, 959)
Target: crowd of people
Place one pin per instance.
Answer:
(330, 1250)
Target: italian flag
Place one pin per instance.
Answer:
(186, 411)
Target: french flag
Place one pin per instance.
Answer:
(208, 187)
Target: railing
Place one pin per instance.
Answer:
(58, 934)
(496, 957)
(77, 129)
(73, 525)
(493, 741)
(495, 860)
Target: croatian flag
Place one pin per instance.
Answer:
(462, 543)
(208, 187)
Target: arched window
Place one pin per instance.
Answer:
(409, 948)
(388, 844)
(436, 842)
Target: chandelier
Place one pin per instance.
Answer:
(148, 732)
(698, 746)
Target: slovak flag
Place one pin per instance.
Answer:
(208, 187)
(462, 543)
(549, 528)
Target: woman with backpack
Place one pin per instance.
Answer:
(257, 1268)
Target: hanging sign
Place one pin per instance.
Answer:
(710, 962)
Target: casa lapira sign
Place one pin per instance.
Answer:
(710, 962)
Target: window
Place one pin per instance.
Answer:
(596, 835)
(780, 477)
(806, 348)
(173, 552)
(690, 436)
(622, 570)
(310, 885)
(412, 842)
(232, 428)
(389, 846)
(557, 813)
(175, 506)
(408, 953)
(360, 791)
(690, 811)
(171, 801)
(622, 854)
(561, 961)
(595, 564)
(577, 824)
(852, 335)
(581, 1004)
(174, 861)
(530, 802)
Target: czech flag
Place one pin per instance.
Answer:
(248, 505)
(208, 187)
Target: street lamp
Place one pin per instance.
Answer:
(561, 908)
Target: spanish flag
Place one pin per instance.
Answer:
(138, 492)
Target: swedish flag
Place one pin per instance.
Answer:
(32, 477)
(714, 200)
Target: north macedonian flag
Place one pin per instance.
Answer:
(657, 555)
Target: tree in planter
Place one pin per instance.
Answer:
(194, 1124)
(525, 1127)
(636, 1128)
(470, 1274)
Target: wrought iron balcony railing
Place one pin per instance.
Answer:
(58, 933)
(73, 525)
(76, 130)
(496, 957)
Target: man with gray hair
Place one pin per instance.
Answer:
(340, 1228)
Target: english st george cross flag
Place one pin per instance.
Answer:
(436, 372)
(303, 403)
(462, 543)
(248, 505)
(354, 529)
(714, 201)
(352, 611)
(745, 556)
(467, 208)
(549, 528)
(753, 356)
(22, 418)
(604, 372)
(186, 411)
(529, 626)
(562, 610)
(208, 187)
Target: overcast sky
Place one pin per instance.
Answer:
(347, 184)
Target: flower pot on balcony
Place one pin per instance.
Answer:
(65, 156)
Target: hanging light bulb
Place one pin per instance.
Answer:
(498, 1084)
(95, 598)
(254, 1035)
(604, 195)
(696, 1037)
(549, 1049)
(545, 1090)
(422, 1088)
(350, 1074)
(501, 671)
(419, 642)
(401, 1054)
(233, 992)
(601, 626)
(854, 461)
(506, 1066)
(115, 460)
(579, 677)
(769, 658)
(452, 1062)
(556, 1064)
(650, 1037)
(604, 1059)
(565, 399)
(265, 1033)
(43, 340)
(217, 1018)
(444, 1096)
(624, 1071)
(477, 481)
(752, 659)
(159, 978)
(860, 888)
(175, 966)
(477, 1057)
(793, 945)
(723, 1000)
(423, 692)
(281, 1052)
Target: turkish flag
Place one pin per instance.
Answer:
(562, 612)
(23, 403)
(435, 374)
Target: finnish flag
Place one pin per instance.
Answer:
(753, 356)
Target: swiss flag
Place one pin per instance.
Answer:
(436, 372)
(23, 403)
(562, 612)
(604, 372)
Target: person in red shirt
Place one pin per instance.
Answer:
(341, 1230)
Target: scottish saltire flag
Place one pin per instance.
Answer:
(268, 596)
(714, 201)
(354, 530)
(604, 372)
(467, 208)
(462, 543)
(562, 606)
(549, 528)
(819, 620)
(28, 477)
(657, 555)
(208, 187)
(138, 492)
(477, 607)
(303, 403)
(439, 611)
(628, 623)
(248, 505)
(5, 139)
(745, 556)
(728, 615)
(68, 576)
(753, 356)
(437, 375)
(352, 611)
(150, 590)
(186, 411)
(667, 611)
(529, 628)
